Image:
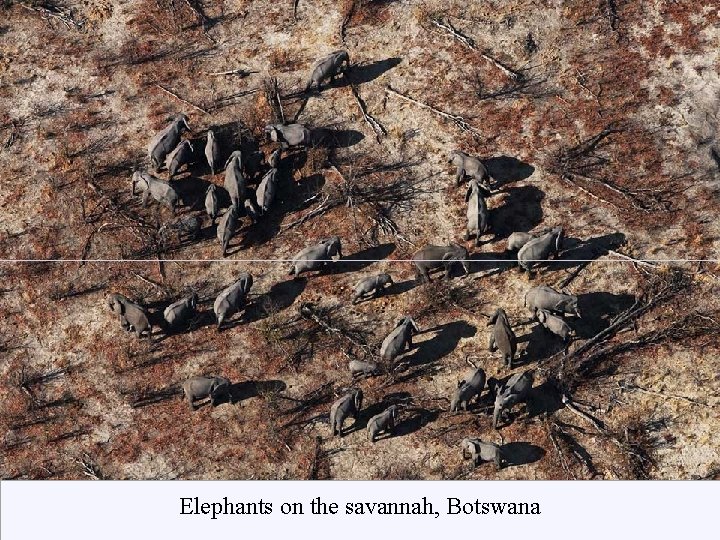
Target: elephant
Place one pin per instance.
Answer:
(502, 337)
(431, 257)
(150, 186)
(165, 142)
(556, 325)
(361, 368)
(132, 316)
(179, 314)
(182, 155)
(212, 205)
(481, 452)
(399, 339)
(226, 228)
(544, 297)
(275, 158)
(517, 240)
(317, 256)
(385, 421)
(478, 216)
(231, 299)
(468, 165)
(334, 64)
(187, 227)
(516, 390)
(372, 285)
(212, 151)
(289, 135)
(348, 405)
(196, 388)
(467, 390)
(251, 210)
(540, 249)
(234, 180)
(265, 193)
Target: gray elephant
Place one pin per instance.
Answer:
(275, 158)
(265, 193)
(482, 452)
(251, 210)
(226, 228)
(399, 339)
(556, 325)
(165, 142)
(183, 228)
(540, 249)
(232, 298)
(468, 165)
(180, 313)
(383, 422)
(212, 151)
(517, 240)
(360, 368)
(212, 205)
(372, 285)
(289, 135)
(432, 257)
(196, 388)
(502, 337)
(150, 186)
(478, 216)
(328, 68)
(544, 297)
(468, 389)
(182, 155)
(234, 180)
(348, 405)
(317, 256)
(516, 390)
(131, 315)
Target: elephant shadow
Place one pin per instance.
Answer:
(249, 389)
(506, 169)
(597, 309)
(414, 420)
(541, 344)
(280, 296)
(365, 73)
(362, 259)
(544, 399)
(443, 343)
(335, 138)
(376, 408)
(490, 263)
(521, 211)
(191, 189)
(521, 453)
(399, 287)
(576, 252)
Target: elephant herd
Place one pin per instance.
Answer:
(548, 306)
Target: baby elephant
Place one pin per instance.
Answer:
(150, 186)
(516, 390)
(316, 257)
(329, 67)
(231, 299)
(212, 205)
(482, 452)
(289, 135)
(196, 388)
(554, 324)
(348, 405)
(373, 286)
(165, 142)
(502, 337)
(226, 228)
(132, 316)
(179, 314)
(540, 249)
(182, 155)
(544, 297)
(467, 390)
(360, 368)
(468, 165)
(400, 338)
(385, 421)
(517, 240)
(212, 151)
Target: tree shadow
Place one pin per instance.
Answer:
(505, 169)
(364, 258)
(335, 138)
(521, 212)
(575, 250)
(521, 453)
(597, 309)
(280, 296)
(443, 343)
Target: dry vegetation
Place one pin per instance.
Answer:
(601, 117)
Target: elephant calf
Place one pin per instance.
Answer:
(482, 452)
(196, 388)
(373, 286)
(467, 390)
(383, 422)
(540, 249)
(517, 240)
(400, 338)
(182, 155)
(212, 151)
(212, 205)
(554, 324)
(235, 183)
(180, 313)
(432, 257)
(478, 216)
(165, 142)
(289, 135)
(360, 368)
(226, 228)
(132, 316)
(502, 337)
(317, 256)
(348, 405)
(544, 297)
(328, 67)
(516, 390)
(150, 186)
(232, 298)
(265, 193)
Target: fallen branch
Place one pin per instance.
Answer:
(630, 386)
(376, 126)
(240, 71)
(186, 102)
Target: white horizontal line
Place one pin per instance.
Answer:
(94, 261)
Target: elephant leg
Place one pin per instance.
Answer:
(459, 175)
(145, 198)
(491, 343)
